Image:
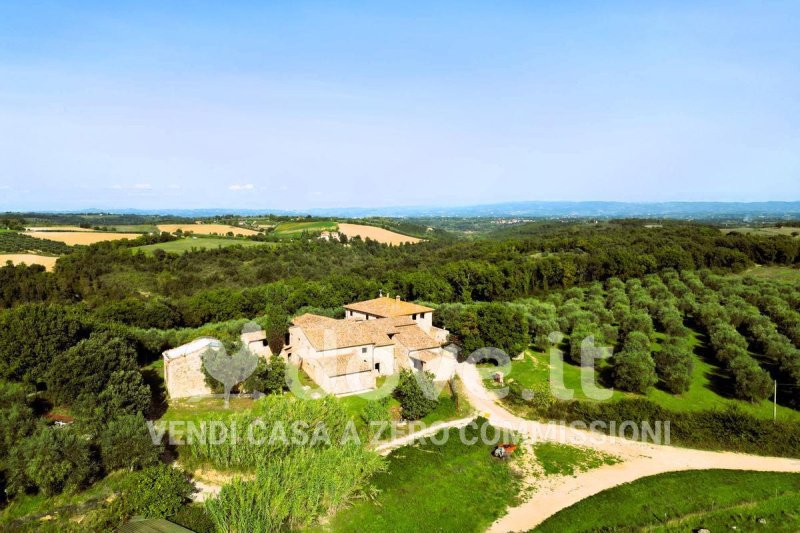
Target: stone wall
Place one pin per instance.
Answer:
(184, 376)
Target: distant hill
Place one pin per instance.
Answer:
(676, 210)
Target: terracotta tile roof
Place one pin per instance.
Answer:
(328, 334)
(425, 356)
(387, 307)
(414, 338)
(309, 320)
(339, 365)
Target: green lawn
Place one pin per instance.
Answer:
(288, 229)
(708, 391)
(718, 500)
(203, 409)
(196, 243)
(563, 460)
(536, 368)
(427, 487)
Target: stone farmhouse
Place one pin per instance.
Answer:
(376, 338)
(183, 366)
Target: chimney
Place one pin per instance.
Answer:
(397, 297)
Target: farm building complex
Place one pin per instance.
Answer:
(376, 338)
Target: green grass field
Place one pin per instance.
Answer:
(289, 229)
(427, 487)
(709, 389)
(778, 273)
(197, 243)
(718, 500)
(204, 409)
(136, 228)
(564, 460)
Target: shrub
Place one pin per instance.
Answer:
(156, 492)
(376, 411)
(416, 393)
(538, 396)
(729, 429)
(17, 418)
(634, 371)
(674, 367)
(194, 518)
(33, 336)
(751, 382)
(583, 333)
(86, 368)
(269, 377)
(638, 320)
(126, 443)
(53, 460)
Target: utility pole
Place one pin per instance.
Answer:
(775, 402)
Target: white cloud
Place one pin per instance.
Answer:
(246, 187)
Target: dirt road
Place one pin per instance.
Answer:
(639, 459)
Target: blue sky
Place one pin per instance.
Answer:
(289, 105)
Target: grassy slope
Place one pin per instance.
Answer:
(453, 487)
(683, 501)
(135, 228)
(708, 390)
(187, 244)
(778, 273)
(286, 229)
(31, 505)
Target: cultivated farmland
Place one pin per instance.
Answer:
(58, 228)
(377, 234)
(29, 259)
(207, 229)
(12, 242)
(80, 237)
(288, 229)
(791, 231)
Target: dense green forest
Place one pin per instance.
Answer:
(75, 340)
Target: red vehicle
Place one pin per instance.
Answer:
(504, 450)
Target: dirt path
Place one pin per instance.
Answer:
(386, 447)
(639, 459)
